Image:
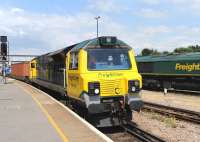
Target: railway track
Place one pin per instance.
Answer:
(142, 135)
(178, 113)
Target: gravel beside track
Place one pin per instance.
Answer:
(174, 99)
(182, 114)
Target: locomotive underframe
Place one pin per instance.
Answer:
(171, 82)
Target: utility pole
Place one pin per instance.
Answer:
(97, 18)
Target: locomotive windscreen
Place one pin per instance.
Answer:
(108, 59)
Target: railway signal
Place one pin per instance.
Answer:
(4, 47)
(3, 38)
(4, 54)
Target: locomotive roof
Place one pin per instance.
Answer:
(94, 43)
(91, 43)
(172, 57)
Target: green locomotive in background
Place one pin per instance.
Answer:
(176, 71)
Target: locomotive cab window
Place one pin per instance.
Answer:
(32, 65)
(73, 62)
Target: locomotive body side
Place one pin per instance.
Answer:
(170, 72)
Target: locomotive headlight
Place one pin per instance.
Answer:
(96, 91)
(134, 86)
(93, 88)
(133, 89)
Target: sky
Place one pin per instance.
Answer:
(41, 26)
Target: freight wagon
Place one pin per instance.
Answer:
(178, 71)
(20, 71)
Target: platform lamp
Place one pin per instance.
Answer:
(97, 18)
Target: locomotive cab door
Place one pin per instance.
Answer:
(73, 74)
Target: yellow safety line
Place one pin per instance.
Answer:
(50, 119)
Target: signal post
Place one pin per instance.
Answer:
(4, 54)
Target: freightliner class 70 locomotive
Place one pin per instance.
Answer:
(98, 77)
(175, 71)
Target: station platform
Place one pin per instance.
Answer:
(30, 115)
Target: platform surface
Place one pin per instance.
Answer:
(28, 115)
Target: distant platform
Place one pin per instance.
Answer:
(30, 115)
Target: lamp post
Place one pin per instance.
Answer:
(97, 18)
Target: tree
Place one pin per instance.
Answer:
(180, 50)
(165, 52)
(195, 48)
(146, 52)
(188, 49)
(183, 50)
(155, 52)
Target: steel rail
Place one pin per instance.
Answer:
(179, 113)
(142, 135)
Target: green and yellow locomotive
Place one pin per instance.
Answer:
(97, 76)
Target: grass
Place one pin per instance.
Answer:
(168, 120)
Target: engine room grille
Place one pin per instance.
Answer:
(107, 87)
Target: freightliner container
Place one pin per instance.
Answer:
(20, 70)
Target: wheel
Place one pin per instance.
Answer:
(128, 114)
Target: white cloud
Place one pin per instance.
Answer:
(187, 4)
(43, 33)
(152, 31)
(151, 13)
(17, 10)
(106, 5)
(51, 31)
(165, 38)
(151, 2)
(33, 33)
